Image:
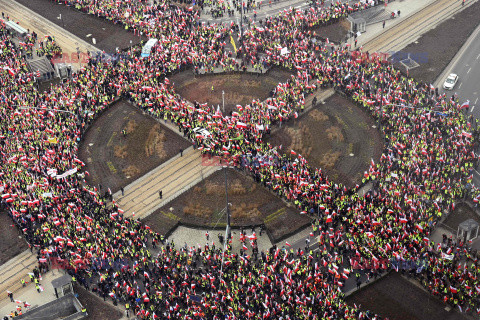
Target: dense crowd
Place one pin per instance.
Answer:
(425, 164)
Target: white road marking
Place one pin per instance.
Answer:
(478, 56)
(473, 107)
(476, 101)
(469, 70)
(460, 85)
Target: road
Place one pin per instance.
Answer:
(466, 64)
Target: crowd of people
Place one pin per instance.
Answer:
(425, 165)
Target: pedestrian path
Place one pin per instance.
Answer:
(34, 22)
(15, 269)
(416, 18)
(29, 294)
(141, 198)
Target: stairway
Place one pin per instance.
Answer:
(141, 197)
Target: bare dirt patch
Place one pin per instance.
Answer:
(12, 241)
(96, 307)
(239, 88)
(107, 34)
(251, 204)
(396, 298)
(335, 32)
(114, 159)
(328, 135)
(461, 213)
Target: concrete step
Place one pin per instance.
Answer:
(190, 157)
(15, 269)
(177, 190)
(149, 195)
(174, 177)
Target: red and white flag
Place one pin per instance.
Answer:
(465, 105)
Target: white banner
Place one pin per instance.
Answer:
(67, 173)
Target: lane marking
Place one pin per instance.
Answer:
(469, 70)
(460, 85)
(478, 56)
(475, 101)
(473, 107)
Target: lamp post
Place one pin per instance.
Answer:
(228, 231)
(223, 102)
(60, 18)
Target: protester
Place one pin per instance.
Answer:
(425, 165)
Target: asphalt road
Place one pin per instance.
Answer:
(466, 64)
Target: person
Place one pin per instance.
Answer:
(121, 189)
(383, 24)
(160, 194)
(207, 235)
(181, 152)
(10, 295)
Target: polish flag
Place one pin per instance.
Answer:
(465, 105)
(453, 289)
(241, 125)
(293, 153)
(288, 244)
(244, 247)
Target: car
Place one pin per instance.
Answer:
(450, 81)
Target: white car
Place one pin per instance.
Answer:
(450, 81)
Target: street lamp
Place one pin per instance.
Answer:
(223, 102)
(60, 18)
(228, 231)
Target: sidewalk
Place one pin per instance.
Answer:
(12, 271)
(406, 7)
(30, 295)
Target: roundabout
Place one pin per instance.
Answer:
(422, 171)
